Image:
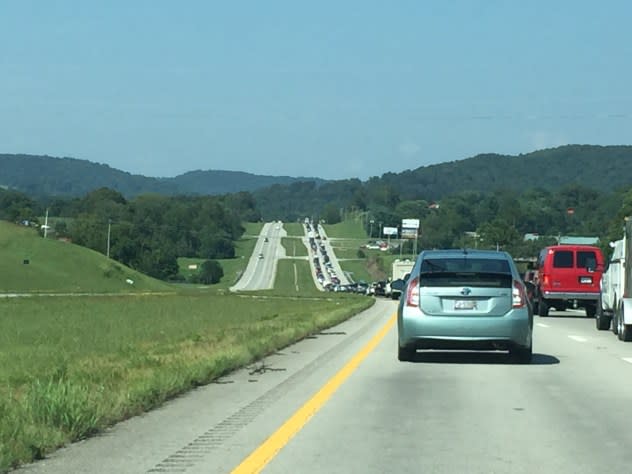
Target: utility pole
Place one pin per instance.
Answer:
(46, 224)
(109, 231)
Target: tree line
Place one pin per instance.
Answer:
(150, 232)
(147, 233)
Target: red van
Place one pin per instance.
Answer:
(569, 276)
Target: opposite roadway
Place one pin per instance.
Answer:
(570, 411)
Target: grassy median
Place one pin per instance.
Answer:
(70, 366)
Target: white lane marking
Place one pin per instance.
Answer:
(542, 325)
(578, 338)
(627, 359)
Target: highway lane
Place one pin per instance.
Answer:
(446, 412)
(261, 272)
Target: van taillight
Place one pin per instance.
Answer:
(412, 293)
(546, 280)
(519, 299)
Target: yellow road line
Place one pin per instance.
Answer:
(261, 456)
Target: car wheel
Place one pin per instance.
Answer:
(615, 322)
(522, 355)
(405, 354)
(624, 330)
(602, 320)
(543, 308)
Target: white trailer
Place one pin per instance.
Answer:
(612, 283)
(622, 317)
(401, 269)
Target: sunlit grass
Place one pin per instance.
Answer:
(294, 229)
(294, 277)
(29, 263)
(294, 247)
(69, 366)
(348, 229)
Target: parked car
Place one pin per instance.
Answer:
(569, 276)
(464, 299)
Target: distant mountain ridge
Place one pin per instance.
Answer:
(603, 168)
(42, 175)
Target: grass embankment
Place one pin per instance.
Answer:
(32, 264)
(294, 247)
(294, 277)
(294, 229)
(70, 366)
(349, 229)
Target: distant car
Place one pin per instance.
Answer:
(260, 255)
(464, 299)
(265, 240)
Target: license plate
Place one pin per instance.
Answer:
(465, 304)
(585, 280)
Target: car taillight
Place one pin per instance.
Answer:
(518, 296)
(412, 293)
(546, 280)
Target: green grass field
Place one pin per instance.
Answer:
(294, 247)
(294, 229)
(358, 269)
(70, 366)
(73, 365)
(294, 277)
(30, 263)
(348, 229)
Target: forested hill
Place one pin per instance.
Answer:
(50, 176)
(604, 168)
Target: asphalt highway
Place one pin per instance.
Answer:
(261, 269)
(341, 403)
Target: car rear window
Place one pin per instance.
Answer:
(476, 272)
(563, 259)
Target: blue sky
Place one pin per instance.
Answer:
(333, 89)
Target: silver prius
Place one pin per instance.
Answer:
(464, 299)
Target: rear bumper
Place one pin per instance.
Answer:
(447, 332)
(559, 295)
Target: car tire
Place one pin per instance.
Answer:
(522, 355)
(624, 331)
(602, 321)
(406, 354)
(543, 308)
(615, 322)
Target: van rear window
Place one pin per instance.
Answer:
(586, 259)
(563, 259)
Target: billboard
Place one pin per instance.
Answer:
(408, 233)
(389, 231)
(410, 223)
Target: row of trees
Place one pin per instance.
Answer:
(147, 233)
(502, 218)
(150, 231)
